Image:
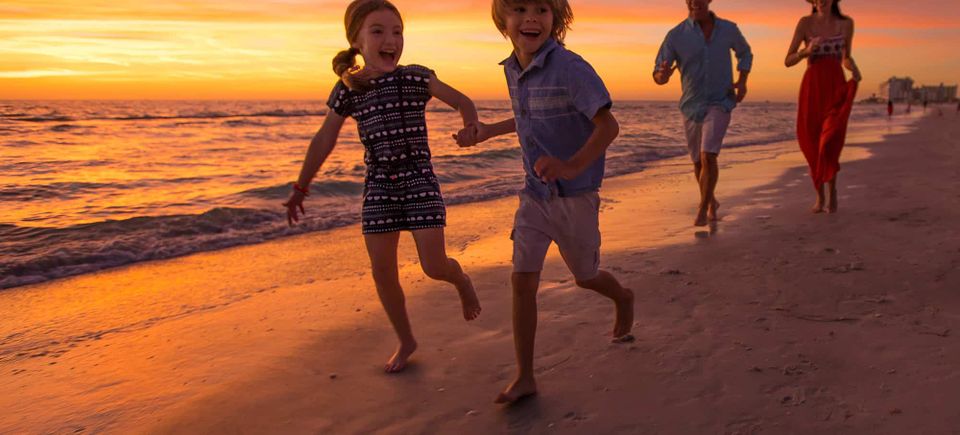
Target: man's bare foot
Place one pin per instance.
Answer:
(701, 220)
(468, 299)
(398, 361)
(624, 321)
(712, 211)
(517, 391)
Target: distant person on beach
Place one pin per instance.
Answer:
(826, 97)
(562, 116)
(401, 192)
(889, 108)
(924, 106)
(909, 107)
(700, 47)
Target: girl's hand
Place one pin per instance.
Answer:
(293, 203)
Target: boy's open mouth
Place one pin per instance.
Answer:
(533, 34)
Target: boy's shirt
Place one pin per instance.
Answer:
(705, 67)
(554, 102)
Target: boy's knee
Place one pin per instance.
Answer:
(525, 283)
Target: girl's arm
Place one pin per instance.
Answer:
(794, 53)
(848, 61)
(461, 103)
(320, 147)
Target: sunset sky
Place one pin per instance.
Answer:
(281, 49)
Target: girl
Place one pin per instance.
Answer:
(826, 98)
(401, 192)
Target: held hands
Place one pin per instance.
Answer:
(293, 203)
(549, 169)
(472, 134)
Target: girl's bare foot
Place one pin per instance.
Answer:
(518, 390)
(712, 211)
(624, 321)
(701, 220)
(468, 299)
(818, 207)
(398, 361)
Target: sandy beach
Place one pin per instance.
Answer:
(778, 321)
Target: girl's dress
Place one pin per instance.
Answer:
(400, 191)
(826, 99)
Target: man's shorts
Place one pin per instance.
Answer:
(706, 136)
(572, 222)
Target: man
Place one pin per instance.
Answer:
(700, 46)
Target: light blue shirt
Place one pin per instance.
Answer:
(554, 101)
(705, 67)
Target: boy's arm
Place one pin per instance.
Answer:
(606, 129)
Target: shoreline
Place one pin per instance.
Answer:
(279, 337)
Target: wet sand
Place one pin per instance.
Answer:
(779, 321)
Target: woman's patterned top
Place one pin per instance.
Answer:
(391, 117)
(830, 46)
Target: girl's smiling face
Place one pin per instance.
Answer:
(380, 40)
(528, 25)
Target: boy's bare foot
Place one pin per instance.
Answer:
(398, 361)
(468, 299)
(624, 321)
(712, 211)
(701, 220)
(517, 391)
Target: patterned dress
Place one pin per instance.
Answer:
(401, 191)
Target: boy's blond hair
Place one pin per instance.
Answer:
(562, 15)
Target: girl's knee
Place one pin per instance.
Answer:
(437, 270)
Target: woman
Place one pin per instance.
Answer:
(826, 98)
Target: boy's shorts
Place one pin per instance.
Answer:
(572, 222)
(707, 136)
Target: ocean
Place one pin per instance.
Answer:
(90, 185)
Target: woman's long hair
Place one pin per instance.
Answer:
(345, 61)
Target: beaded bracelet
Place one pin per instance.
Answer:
(298, 188)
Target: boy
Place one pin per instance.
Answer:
(563, 120)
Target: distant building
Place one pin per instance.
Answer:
(898, 90)
(936, 94)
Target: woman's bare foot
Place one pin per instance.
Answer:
(712, 211)
(624, 321)
(398, 361)
(832, 208)
(468, 299)
(518, 390)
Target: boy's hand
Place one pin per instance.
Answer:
(549, 169)
(467, 136)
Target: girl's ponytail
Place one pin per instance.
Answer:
(344, 61)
